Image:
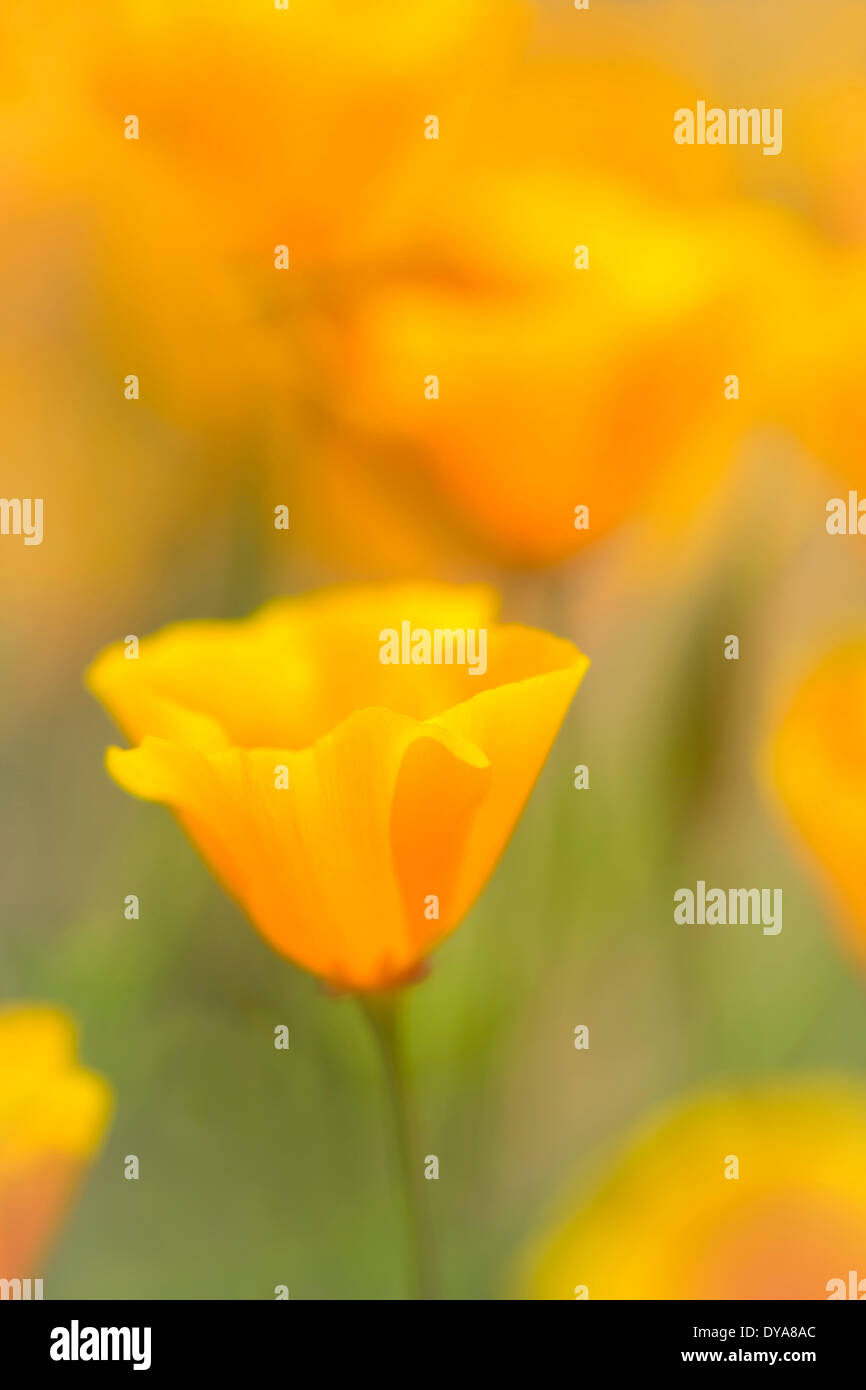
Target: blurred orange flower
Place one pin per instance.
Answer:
(409, 258)
(752, 1194)
(303, 129)
(567, 347)
(353, 808)
(818, 767)
(53, 1114)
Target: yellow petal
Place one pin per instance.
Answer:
(289, 673)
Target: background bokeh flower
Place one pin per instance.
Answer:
(674, 1218)
(53, 1115)
(410, 257)
(818, 762)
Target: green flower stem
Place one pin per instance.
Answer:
(382, 1012)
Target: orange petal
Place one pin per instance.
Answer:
(312, 863)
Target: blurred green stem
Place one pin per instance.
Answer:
(382, 1012)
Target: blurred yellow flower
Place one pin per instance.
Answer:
(737, 1194)
(818, 766)
(571, 353)
(408, 258)
(353, 808)
(302, 129)
(53, 1114)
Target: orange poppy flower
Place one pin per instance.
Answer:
(353, 806)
